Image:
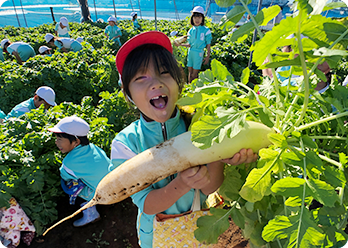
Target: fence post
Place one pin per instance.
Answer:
(52, 14)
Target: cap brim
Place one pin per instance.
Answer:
(151, 37)
(55, 130)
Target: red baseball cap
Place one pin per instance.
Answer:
(150, 37)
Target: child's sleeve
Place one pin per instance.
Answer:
(119, 32)
(106, 31)
(58, 44)
(56, 27)
(9, 50)
(119, 154)
(208, 36)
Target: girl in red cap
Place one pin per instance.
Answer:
(152, 80)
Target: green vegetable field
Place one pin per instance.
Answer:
(295, 195)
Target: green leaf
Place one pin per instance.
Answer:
(232, 17)
(237, 216)
(309, 142)
(303, 232)
(231, 185)
(334, 5)
(220, 71)
(289, 187)
(278, 140)
(245, 76)
(190, 100)
(225, 3)
(323, 192)
(257, 183)
(211, 226)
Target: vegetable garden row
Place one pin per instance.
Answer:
(271, 200)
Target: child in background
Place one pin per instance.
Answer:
(21, 50)
(2, 116)
(84, 165)
(1, 55)
(136, 24)
(44, 95)
(112, 31)
(152, 80)
(62, 28)
(45, 50)
(198, 38)
(64, 44)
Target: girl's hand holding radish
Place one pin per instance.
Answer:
(243, 156)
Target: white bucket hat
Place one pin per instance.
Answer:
(49, 37)
(72, 125)
(112, 19)
(173, 33)
(3, 42)
(48, 94)
(133, 14)
(64, 21)
(43, 49)
(79, 39)
(198, 9)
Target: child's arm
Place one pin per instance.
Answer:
(18, 58)
(206, 59)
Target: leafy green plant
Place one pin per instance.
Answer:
(97, 240)
(296, 195)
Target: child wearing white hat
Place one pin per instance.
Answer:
(21, 50)
(63, 44)
(44, 95)
(199, 38)
(112, 31)
(45, 50)
(136, 24)
(84, 165)
(62, 28)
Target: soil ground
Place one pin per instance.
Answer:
(115, 229)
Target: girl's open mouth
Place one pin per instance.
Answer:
(159, 101)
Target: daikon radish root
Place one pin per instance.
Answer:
(168, 158)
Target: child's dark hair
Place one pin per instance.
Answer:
(135, 16)
(140, 57)
(83, 139)
(195, 13)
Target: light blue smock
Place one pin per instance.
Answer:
(113, 31)
(24, 50)
(69, 44)
(137, 137)
(136, 24)
(62, 32)
(199, 37)
(88, 163)
(2, 114)
(2, 55)
(21, 108)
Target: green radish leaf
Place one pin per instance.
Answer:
(278, 140)
(262, 18)
(293, 201)
(257, 183)
(231, 185)
(220, 72)
(307, 141)
(210, 227)
(303, 232)
(305, 6)
(335, 176)
(190, 100)
(237, 216)
(323, 192)
(334, 5)
(232, 17)
(245, 76)
(265, 117)
(268, 154)
(225, 3)
(289, 187)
